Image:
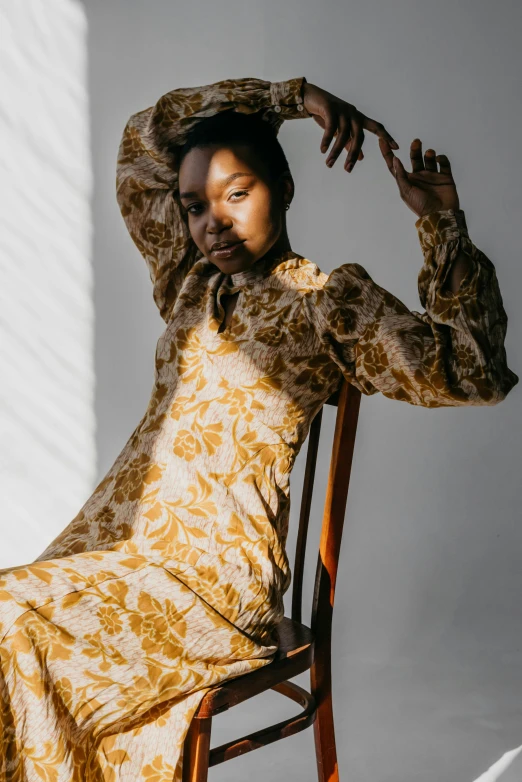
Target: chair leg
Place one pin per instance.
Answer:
(325, 751)
(196, 751)
(324, 734)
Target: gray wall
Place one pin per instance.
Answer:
(427, 642)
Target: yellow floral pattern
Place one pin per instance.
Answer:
(171, 577)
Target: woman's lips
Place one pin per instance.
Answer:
(226, 252)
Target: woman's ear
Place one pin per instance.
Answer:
(287, 187)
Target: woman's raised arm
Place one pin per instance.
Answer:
(452, 354)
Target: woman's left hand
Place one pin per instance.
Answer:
(342, 120)
(425, 189)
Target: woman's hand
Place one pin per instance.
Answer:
(425, 189)
(341, 119)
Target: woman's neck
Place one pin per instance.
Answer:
(281, 246)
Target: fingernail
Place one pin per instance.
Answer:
(349, 167)
(329, 163)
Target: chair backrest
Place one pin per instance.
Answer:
(347, 400)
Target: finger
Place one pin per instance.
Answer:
(401, 176)
(387, 154)
(417, 162)
(356, 143)
(445, 167)
(340, 142)
(430, 160)
(330, 126)
(378, 128)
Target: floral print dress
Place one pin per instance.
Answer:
(171, 577)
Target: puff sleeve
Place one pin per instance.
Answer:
(451, 354)
(147, 170)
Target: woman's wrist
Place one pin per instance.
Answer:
(287, 96)
(441, 226)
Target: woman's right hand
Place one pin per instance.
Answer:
(425, 189)
(343, 120)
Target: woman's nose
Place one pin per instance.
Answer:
(217, 222)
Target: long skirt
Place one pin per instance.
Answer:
(105, 657)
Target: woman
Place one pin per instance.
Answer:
(171, 577)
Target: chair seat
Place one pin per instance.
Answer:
(294, 655)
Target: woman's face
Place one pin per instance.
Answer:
(227, 196)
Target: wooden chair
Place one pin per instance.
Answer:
(301, 648)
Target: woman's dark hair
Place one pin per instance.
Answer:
(232, 126)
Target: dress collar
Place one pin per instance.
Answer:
(260, 269)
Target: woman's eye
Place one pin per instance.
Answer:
(197, 206)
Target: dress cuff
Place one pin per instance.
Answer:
(439, 227)
(287, 97)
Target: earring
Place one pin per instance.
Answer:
(287, 207)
